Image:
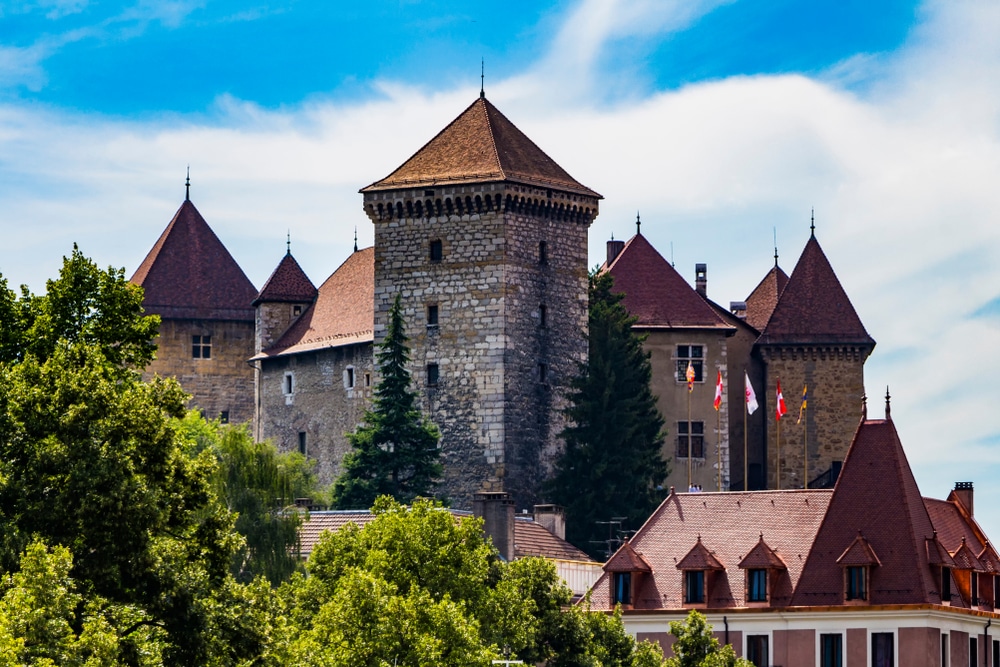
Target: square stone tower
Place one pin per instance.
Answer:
(484, 237)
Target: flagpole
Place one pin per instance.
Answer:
(746, 448)
(690, 438)
(805, 450)
(718, 444)
(777, 457)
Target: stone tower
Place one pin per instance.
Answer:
(485, 238)
(813, 338)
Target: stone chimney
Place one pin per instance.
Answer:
(614, 249)
(552, 518)
(963, 490)
(497, 510)
(701, 279)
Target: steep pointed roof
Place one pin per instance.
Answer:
(860, 552)
(762, 557)
(288, 284)
(813, 307)
(655, 293)
(189, 274)
(877, 496)
(700, 558)
(480, 145)
(764, 297)
(343, 313)
(626, 559)
(965, 559)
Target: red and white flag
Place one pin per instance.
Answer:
(780, 409)
(750, 395)
(718, 392)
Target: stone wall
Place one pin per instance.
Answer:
(499, 394)
(320, 404)
(221, 384)
(273, 319)
(835, 378)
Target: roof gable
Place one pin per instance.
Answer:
(965, 559)
(700, 558)
(189, 274)
(626, 559)
(859, 553)
(343, 313)
(813, 308)
(655, 294)
(876, 496)
(764, 297)
(762, 557)
(289, 284)
(480, 145)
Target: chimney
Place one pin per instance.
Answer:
(552, 518)
(963, 491)
(614, 249)
(738, 308)
(701, 279)
(497, 510)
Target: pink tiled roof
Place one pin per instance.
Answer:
(655, 293)
(343, 314)
(700, 558)
(480, 145)
(289, 283)
(860, 552)
(813, 307)
(189, 274)
(762, 557)
(764, 297)
(626, 559)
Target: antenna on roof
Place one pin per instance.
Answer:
(638, 223)
(812, 224)
(482, 78)
(187, 186)
(288, 243)
(775, 247)
(355, 239)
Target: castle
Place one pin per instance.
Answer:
(484, 237)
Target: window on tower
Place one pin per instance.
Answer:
(437, 250)
(691, 437)
(694, 355)
(201, 347)
(543, 253)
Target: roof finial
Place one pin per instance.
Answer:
(187, 186)
(638, 223)
(864, 407)
(355, 239)
(887, 397)
(812, 223)
(775, 229)
(482, 78)
(672, 254)
(288, 242)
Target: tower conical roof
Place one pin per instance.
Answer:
(876, 496)
(189, 274)
(288, 284)
(480, 145)
(764, 298)
(655, 293)
(813, 307)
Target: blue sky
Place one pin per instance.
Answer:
(723, 122)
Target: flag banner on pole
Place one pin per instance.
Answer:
(718, 392)
(690, 376)
(751, 396)
(780, 409)
(802, 408)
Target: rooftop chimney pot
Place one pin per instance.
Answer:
(701, 279)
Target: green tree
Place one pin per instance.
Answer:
(612, 464)
(694, 645)
(395, 450)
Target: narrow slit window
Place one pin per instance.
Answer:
(302, 443)
(543, 316)
(432, 315)
(543, 252)
(437, 250)
(349, 377)
(433, 375)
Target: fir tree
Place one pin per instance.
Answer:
(612, 466)
(395, 449)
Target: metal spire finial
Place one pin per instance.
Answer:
(482, 77)
(355, 239)
(187, 185)
(288, 242)
(812, 223)
(775, 229)
(887, 397)
(638, 224)
(864, 407)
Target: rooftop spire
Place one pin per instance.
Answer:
(638, 223)
(887, 397)
(482, 77)
(288, 243)
(775, 229)
(812, 223)
(187, 185)
(355, 239)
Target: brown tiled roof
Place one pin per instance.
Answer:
(700, 558)
(877, 496)
(343, 313)
(965, 558)
(655, 293)
(988, 557)
(733, 522)
(860, 552)
(953, 525)
(189, 274)
(288, 284)
(937, 554)
(480, 145)
(320, 522)
(626, 559)
(762, 557)
(813, 307)
(534, 539)
(764, 297)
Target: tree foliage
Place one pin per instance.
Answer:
(694, 645)
(395, 450)
(612, 465)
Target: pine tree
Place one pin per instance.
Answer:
(395, 449)
(612, 465)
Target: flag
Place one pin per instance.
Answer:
(690, 376)
(718, 392)
(802, 408)
(780, 409)
(751, 396)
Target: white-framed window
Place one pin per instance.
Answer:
(945, 652)
(349, 377)
(757, 648)
(882, 647)
(974, 651)
(695, 355)
(831, 649)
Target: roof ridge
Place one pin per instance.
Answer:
(492, 135)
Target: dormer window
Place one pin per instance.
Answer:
(756, 585)
(625, 571)
(857, 583)
(622, 582)
(946, 585)
(858, 560)
(762, 566)
(697, 568)
(694, 587)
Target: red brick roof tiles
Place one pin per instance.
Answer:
(288, 284)
(343, 313)
(626, 559)
(813, 308)
(764, 297)
(937, 554)
(480, 145)
(700, 558)
(965, 559)
(655, 293)
(988, 557)
(762, 557)
(859, 553)
(189, 274)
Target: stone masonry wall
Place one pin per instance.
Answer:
(222, 383)
(274, 319)
(321, 405)
(835, 378)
